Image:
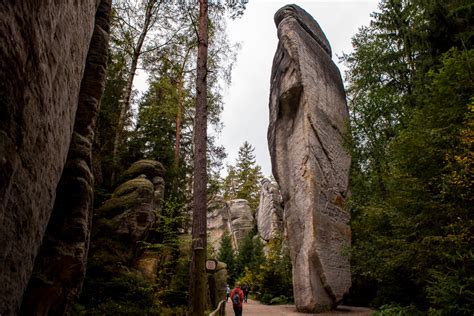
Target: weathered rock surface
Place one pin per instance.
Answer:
(234, 217)
(241, 220)
(308, 114)
(217, 282)
(217, 222)
(45, 83)
(270, 211)
(130, 213)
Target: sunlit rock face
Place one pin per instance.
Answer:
(308, 115)
(270, 212)
(53, 56)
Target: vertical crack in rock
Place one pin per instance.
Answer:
(308, 115)
(59, 268)
(43, 51)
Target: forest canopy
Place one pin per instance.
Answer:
(410, 87)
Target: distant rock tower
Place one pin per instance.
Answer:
(308, 114)
(270, 212)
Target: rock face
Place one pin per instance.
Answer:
(270, 211)
(308, 114)
(129, 213)
(48, 101)
(217, 222)
(241, 220)
(234, 217)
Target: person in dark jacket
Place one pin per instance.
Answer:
(246, 290)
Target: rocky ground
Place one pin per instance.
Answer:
(255, 308)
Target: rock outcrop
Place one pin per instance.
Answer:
(233, 217)
(270, 211)
(308, 115)
(217, 222)
(241, 220)
(125, 219)
(48, 100)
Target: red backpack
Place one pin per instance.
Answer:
(236, 299)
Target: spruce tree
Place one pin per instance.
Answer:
(226, 254)
(243, 179)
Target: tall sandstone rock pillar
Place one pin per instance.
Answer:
(308, 115)
(48, 100)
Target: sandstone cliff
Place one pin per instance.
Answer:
(270, 211)
(48, 97)
(128, 215)
(308, 114)
(234, 217)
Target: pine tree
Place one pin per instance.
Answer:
(243, 179)
(226, 254)
(230, 184)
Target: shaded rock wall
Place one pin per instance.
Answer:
(60, 265)
(308, 114)
(43, 50)
(124, 220)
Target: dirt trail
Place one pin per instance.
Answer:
(255, 308)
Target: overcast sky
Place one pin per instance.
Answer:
(245, 113)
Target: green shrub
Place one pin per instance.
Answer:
(266, 299)
(282, 299)
(396, 310)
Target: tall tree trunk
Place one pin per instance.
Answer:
(179, 115)
(180, 110)
(199, 243)
(125, 104)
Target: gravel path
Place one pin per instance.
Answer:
(255, 308)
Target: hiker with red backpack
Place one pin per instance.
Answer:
(237, 298)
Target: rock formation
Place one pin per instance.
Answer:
(217, 222)
(129, 214)
(308, 113)
(52, 66)
(122, 230)
(234, 217)
(270, 212)
(241, 220)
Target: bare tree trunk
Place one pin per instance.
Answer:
(199, 243)
(125, 104)
(179, 114)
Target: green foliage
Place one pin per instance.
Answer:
(126, 294)
(411, 97)
(270, 276)
(243, 179)
(226, 254)
(397, 310)
(275, 278)
(250, 255)
(108, 118)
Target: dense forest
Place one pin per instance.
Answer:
(410, 89)
(410, 92)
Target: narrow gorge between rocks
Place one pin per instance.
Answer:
(118, 197)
